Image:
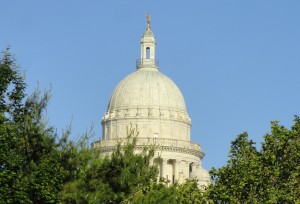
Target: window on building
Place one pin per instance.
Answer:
(148, 53)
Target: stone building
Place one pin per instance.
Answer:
(152, 101)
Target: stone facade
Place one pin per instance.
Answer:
(152, 101)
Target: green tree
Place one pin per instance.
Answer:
(237, 182)
(270, 175)
(280, 164)
(29, 169)
(189, 193)
(12, 88)
(186, 193)
(156, 193)
(113, 179)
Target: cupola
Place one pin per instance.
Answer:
(148, 43)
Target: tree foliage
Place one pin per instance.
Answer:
(114, 178)
(270, 175)
(29, 169)
(186, 193)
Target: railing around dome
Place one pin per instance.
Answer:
(147, 63)
(169, 144)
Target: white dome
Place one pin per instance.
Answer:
(153, 104)
(148, 99)
(147, 88)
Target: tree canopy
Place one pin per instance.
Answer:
(29, 169)
(268, 175)
(111, 179)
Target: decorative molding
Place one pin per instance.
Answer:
(196, 153)
(162, 144)
(154, 112)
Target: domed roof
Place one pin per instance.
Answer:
(148, 99)
(147, 88)
(150, 103)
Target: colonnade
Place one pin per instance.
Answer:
(174, 170)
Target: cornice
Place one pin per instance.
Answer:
(162, 144)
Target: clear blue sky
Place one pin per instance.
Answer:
(237, 63)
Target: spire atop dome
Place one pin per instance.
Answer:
(148, 22)
(148, 43)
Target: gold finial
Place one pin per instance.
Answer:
(148, 22)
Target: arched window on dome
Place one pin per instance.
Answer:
(147, 52)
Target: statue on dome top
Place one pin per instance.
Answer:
(148, 22)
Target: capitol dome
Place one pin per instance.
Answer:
(154, 105)
(147, 88)
(148, 99)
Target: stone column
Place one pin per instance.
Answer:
(176, 169)
(164, 172)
